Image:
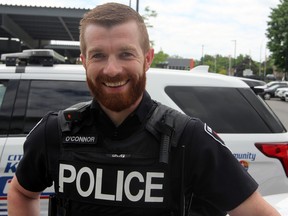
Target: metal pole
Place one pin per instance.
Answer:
(234, 52)
(215, 64)
(137, 6)
(229, 72)
(202, 60)
(260, 59)
(265, 63)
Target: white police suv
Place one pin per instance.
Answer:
(31, 85)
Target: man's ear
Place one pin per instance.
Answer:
(83, 60)
(149, 58)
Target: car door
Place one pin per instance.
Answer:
(8, 90)
(21, 109)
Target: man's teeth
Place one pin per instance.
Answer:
(115, 84)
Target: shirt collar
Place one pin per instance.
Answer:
(131, 124)
(140, 112)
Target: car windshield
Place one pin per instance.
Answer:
(274, 87)
(271, 84)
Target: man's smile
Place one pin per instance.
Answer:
(116, 84)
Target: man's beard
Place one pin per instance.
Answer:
(118, 101)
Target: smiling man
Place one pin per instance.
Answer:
(116, 159)
(115, 62)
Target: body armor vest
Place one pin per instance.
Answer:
(137, 172)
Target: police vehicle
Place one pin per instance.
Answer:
(33, 83)
(279, 201)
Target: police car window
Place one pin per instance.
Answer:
(45, 96)
(2, 92)
(226, 110)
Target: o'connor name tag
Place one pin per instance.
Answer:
(80, 139)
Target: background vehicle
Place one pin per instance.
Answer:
(249, 128)
(270, 77)
(280, 93)
(252, 83)
(267, 91)
(286, 96)
(284, 83)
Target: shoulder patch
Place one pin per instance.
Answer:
(34, 128)
(213, 134)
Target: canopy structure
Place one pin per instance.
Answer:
(35, 27)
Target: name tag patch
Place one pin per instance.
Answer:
(80, 139)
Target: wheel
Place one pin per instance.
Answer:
(267, 96)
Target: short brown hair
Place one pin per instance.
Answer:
(111, 14)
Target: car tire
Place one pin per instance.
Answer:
(267, 96)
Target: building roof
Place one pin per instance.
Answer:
(32, 24)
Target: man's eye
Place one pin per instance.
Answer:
(126, 54)
(98, 55)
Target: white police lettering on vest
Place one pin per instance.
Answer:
(150, 184)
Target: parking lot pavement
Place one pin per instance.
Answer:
(280, 108)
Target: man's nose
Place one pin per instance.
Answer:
(112, 67)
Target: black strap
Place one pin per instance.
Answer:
(168, 124)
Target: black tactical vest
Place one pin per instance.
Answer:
(143, 171)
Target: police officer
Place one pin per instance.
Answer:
(105, 161)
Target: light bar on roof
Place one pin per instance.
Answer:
(45, 57)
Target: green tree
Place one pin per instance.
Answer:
(277, 33)
(245, 62)
(268, 65)
(210, 61)
(146, 16)
(217, 63)
(160, 58)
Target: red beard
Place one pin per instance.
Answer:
(117, 101)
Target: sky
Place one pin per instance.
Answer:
(194, 28)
